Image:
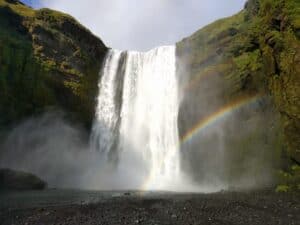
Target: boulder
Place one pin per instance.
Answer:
(18, 180)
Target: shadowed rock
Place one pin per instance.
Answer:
(18, 180)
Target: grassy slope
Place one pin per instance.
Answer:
(47, 60)
(255, 51)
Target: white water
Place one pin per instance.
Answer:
(136, 125)
(106, 117)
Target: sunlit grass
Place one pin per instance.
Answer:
(19, 8)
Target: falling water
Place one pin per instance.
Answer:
(136, 117)
(106, 116)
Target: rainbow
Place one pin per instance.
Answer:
(208, 121)
(218, 115)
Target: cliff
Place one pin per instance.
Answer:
(47, 61)
(253, 53)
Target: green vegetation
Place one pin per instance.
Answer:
(47, 60)
(282, 188)
(17, 8)
(259, 50)
(289, 179)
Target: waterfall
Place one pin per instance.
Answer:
(103, 134)
(136, 117)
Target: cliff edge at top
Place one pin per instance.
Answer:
(47, 60)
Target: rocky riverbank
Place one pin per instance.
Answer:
(265, 208)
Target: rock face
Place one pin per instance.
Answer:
(255, 52)
(17, 180)
(47, 60)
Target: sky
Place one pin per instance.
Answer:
(143, 24)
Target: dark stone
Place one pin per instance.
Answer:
(18, 180)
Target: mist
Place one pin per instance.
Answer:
(236, 152)
(239, 147)
(58, 151)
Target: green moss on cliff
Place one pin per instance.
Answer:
(18, 8)
(259, 50)
(47, 60)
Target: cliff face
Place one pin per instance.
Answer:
(253, 53)
(247, 65)
(47, 60)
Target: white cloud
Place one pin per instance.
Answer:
(142, 24)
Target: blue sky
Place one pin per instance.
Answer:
(33, 3)
(143, 24)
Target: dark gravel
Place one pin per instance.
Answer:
(255, 208)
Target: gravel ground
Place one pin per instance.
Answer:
(255, 208)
